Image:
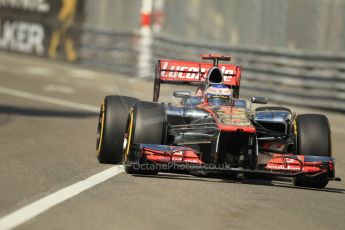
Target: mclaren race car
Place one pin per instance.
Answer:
(213, 131)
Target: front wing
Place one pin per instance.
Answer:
(166, 158)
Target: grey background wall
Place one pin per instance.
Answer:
(311, 25)
(112, 15)
(294, 24)
(290, 50)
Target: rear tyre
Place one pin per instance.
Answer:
(313, 139)
(147, 125)
(111, 128)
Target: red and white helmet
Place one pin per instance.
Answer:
(218, 94)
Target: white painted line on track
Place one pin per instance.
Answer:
(82, 74)
(36, 208)
(49, 100)
(58, 88)
(41, 71)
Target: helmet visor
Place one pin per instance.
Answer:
(218, 100)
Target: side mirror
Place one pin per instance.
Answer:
(182, 94)
(259, 100)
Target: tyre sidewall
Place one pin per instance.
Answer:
(313, 135)
(115, 117)
(146, 125)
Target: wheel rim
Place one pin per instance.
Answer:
(296, 139)
(128, 136)
(100, 129)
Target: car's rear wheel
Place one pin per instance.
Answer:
(313, 138)
(146, 124)
(111, 128)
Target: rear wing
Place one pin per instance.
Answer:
(193, 73)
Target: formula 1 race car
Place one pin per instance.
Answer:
(213, 131)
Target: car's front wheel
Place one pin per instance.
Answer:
(146, 124)
(111, 128)
(313, 138)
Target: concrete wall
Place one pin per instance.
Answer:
(297, 25)
(110, 15)
(312, 25)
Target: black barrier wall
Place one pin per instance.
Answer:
(42, 27)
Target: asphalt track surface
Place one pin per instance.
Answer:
(48, 119)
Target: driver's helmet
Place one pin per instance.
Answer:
(218, 94)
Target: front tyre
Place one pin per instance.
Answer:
(146, 124)
(319, 181)
(313, 138)
(313, 135)
(111, 128)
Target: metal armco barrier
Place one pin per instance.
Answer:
(309, 79)
(113, 52)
